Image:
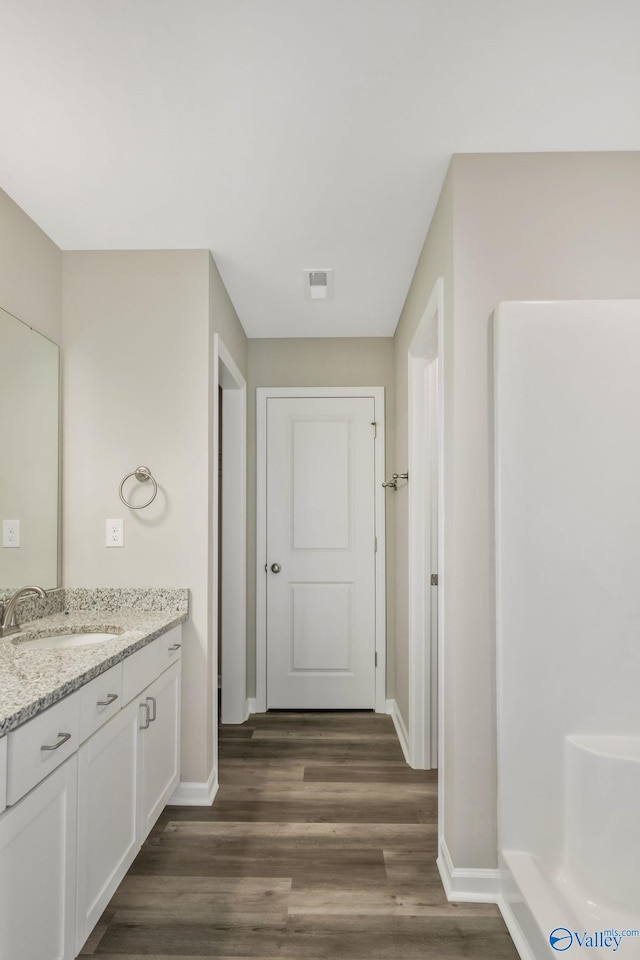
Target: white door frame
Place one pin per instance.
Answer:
(426, 417)
(233, 539)
(262, 395)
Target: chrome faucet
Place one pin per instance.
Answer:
(8, 623)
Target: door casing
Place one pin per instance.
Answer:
(227, 375)
(426, 530)
(262, 395)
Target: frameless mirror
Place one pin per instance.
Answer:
(29, 470)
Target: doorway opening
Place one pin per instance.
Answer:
(426, 530)
(229, 587)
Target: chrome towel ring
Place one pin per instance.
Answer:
(142, 474)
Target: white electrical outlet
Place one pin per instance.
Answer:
(115, 533)
(10, 533)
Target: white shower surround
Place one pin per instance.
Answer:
(602, 788)
(567, 407)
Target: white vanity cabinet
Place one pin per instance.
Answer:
(38, 870)
(86, 780)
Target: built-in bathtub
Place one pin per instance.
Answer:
(567, 481)
(596, 889)
(602, 824)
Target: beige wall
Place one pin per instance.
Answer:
(137, 330)
(329, 362)
(525, 226)
(30, 271)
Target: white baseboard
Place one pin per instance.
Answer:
(399, 724)
(467, 885)
(250, 707)
(195, 794)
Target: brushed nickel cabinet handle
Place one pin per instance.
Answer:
(54, 746)
(174, 646)
(111, 698)
(152, 716)
(145, 726)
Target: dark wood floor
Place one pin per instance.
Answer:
(321, 845)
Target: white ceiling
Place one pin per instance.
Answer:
(288, 134)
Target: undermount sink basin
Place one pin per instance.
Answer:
(63, 640)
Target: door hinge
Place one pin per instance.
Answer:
(376, 657)
(434, 579)
(375, 544)
(375, 429)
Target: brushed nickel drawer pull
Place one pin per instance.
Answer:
(153, 703)
(174, 646)
(111, 698)
(63, 739)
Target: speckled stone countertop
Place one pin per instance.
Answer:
(32, 680)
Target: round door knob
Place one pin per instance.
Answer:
(275, 568)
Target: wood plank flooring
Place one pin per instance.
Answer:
(320, 845)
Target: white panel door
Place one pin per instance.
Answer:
(321, 536)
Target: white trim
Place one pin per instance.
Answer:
(250, 707)
(467, 885)
(516, 933)
(426, 430)
(194, 794)
(394, 712)
(262, 395)
(227, 375)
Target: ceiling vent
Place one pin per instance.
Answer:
(318, 284)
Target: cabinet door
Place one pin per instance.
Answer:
(161, 746)
(37, 870)
(107, 807)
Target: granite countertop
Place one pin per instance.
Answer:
(32, 680)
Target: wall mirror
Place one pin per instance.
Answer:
(29, 457)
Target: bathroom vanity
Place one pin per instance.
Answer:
(89, 757)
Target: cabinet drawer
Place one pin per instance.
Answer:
(140, 669)
(3, 773)
(170, 646)
(42, 744)
(100, 700)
